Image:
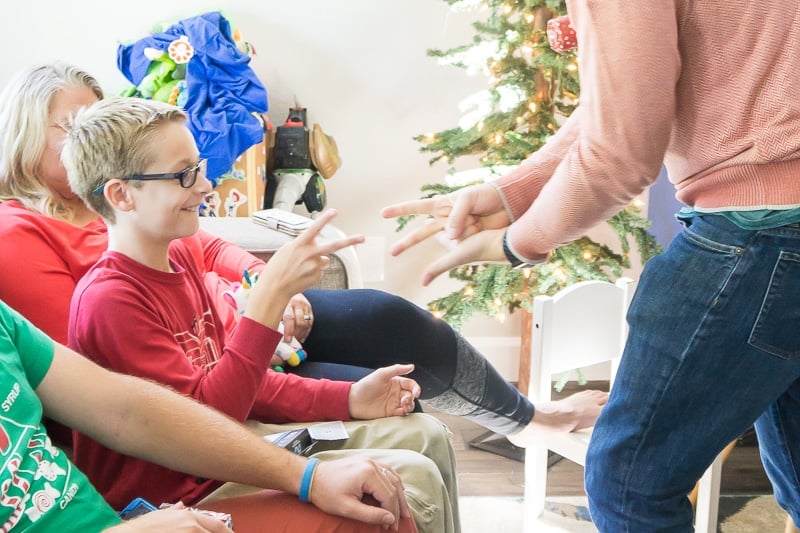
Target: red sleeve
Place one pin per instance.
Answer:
(286, 397)
(221, 263)
(212, 254)
(282, 397)
(108, 312)
(290, 398)
(114, 323)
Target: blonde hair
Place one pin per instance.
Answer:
(24, 115)
(112, 139)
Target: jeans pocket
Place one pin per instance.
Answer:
(777, 328)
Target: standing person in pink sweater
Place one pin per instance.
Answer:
(709, 89)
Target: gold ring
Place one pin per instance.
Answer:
(307, 318)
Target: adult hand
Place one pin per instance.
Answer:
(384, 392)
(173, 519)
(484, 247)
(339, 487)
(459, 214)
(297, 319)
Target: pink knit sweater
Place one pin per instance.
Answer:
(711, 89)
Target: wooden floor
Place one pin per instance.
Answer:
(483, 473)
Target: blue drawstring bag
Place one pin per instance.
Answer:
(222, 91)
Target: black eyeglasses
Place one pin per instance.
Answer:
(187, 177)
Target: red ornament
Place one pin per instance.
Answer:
(561, 34)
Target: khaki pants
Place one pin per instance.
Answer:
(417, 446)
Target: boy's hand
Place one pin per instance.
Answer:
(341, 485)
(294, 267)
(383, 393)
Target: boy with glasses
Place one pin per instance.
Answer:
(142, 310)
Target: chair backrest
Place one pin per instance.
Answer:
(580, 326)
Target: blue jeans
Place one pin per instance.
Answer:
(713, 347)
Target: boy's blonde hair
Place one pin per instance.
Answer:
(111, 139)
(25, 115)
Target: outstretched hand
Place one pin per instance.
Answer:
(298, 265)
(484, 246)
(459, 219)
(295, 267)
(459, 215)
(340, 487)
(384, 392)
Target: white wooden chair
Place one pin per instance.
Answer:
(584, 325)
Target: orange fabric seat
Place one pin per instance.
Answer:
(271, 511)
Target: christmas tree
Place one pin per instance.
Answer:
(532, 89)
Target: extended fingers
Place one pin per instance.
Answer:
(431, 227)
(314, 231)
(441, 265)
(316, 227)
(484, 246)
(411, 207)
(457, 256)
(396, 370)
(332, 246)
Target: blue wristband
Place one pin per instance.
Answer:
(308, 476)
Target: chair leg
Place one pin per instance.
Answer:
(724, 454)
(705, 496)
(535, 486)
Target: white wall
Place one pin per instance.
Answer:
(359, 66)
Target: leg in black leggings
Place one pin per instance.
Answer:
(369, 329)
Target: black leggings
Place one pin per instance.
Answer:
(358, 330)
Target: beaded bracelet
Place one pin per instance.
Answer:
(308, 478)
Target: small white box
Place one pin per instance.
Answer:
(283, 221)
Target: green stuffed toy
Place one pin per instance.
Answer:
(165, 79)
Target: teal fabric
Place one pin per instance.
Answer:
(756, 219)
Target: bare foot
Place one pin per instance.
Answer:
(574, 412)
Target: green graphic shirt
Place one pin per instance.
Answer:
(40, 489)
